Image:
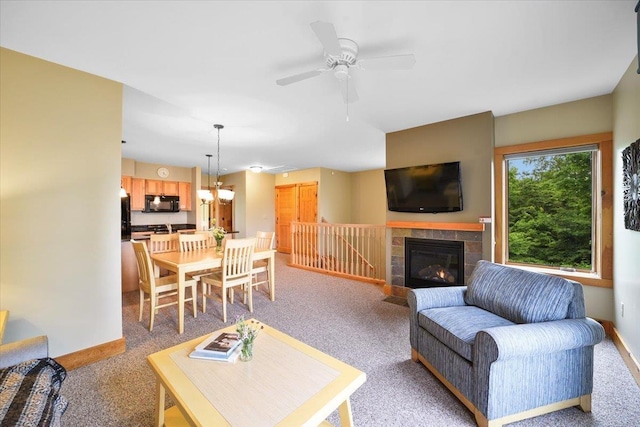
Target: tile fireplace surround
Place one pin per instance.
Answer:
(469, 233)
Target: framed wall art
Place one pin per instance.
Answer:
(631, 185)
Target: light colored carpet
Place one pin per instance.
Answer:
(346, 319)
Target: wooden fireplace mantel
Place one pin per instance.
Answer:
(456, 226)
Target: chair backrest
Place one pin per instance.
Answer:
(211, 241)
(237, 260)
(159, 243)
(145, 268)
(264, 239)
(192, 242)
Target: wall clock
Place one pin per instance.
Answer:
(631, 185)
(163, 172)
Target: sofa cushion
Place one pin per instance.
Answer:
(456, 327)
(29, 393)
(519, 295)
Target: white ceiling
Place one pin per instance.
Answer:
(189, 64)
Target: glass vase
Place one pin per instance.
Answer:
(219, 245)
(246, 352)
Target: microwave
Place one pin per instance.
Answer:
(161, 203)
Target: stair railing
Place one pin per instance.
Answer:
(347, 250)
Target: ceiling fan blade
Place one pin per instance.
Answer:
(326, 33)
(396, 62)
(299, 77)
(348, 89)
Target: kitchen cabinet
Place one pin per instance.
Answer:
(154, 187)
(138, 190)
(129, 267)
(170, 188)
(184, 192)
(125, 182)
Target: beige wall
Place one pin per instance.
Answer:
(587, 116)
(261, 204)
(626, 249)
(584, 117)
(60, 133)
(468, 140)
(238, 181)
(150, 171)
(368, 197)
(334, 197)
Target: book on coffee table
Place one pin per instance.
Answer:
(217, 347)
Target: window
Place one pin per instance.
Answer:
(553, 207)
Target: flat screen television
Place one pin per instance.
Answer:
(425, 189)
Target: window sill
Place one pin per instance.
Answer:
(586, 279)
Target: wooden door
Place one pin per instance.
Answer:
(308, 202)
(226, 217)
(285, 213)
(296, 202)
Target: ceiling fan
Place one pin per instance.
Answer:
(341, 55)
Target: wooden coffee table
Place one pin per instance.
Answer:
(287, 383)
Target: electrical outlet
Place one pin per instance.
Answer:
(622, 309)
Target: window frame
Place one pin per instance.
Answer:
(603, 228)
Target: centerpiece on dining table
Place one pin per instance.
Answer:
(218, 234)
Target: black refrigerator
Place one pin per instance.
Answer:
(125, 217)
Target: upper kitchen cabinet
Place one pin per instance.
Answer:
(156, 187)
(137, 194)
(170, 188)
(184, 191)
(125, 182)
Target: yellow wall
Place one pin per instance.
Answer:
(60, 133)
(334, 197)
(626, 243)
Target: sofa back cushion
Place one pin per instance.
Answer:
(518, 295)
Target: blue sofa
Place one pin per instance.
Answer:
(511, 345)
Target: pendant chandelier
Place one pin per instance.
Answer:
(205, 195)
(224, 195)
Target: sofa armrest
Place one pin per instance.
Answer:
(424, 298)
(19, 351)
(506, 342)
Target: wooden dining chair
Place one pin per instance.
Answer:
(237, 263)
(159, 288)
(211, 242)
(159, 243)
(192, 242)
(264, 240)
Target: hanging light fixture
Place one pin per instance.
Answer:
(205, 195)
(224, 195)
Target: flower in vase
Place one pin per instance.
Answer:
(248, 331)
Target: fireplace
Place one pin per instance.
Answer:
(432, 263)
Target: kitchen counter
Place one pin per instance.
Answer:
(142, 232)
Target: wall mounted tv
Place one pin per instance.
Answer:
(425, 189)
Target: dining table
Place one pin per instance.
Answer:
(183, 263)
